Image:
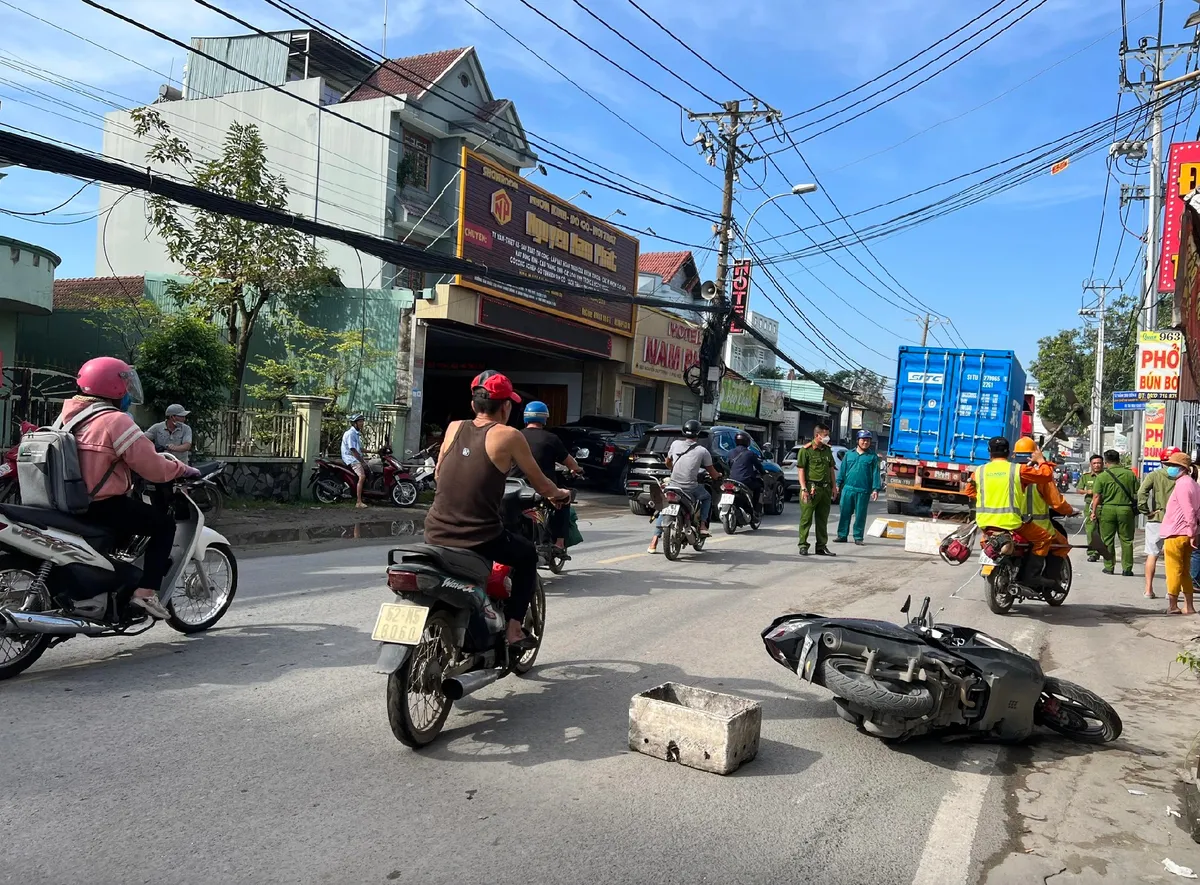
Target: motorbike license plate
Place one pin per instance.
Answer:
(400, 624)
(984, 559)
(726, 501)
(943, 474)
(671, 510)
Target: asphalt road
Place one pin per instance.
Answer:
(261, 753)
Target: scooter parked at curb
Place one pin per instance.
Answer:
(333, 481)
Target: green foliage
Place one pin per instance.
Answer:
(239, 269)
(185, 360)
(125, 319)
(1190, 660)
(1065, 367)
(767, 372)
(867, 386)
(316, 362)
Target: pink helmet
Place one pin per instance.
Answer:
(109, 378)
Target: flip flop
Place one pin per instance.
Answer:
(526, 643)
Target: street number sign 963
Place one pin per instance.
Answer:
(400, 624)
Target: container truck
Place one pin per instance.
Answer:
(948, 404)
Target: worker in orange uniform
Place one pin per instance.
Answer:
(1034, 470)
(1043, 498)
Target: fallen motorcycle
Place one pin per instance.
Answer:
(62, 577)
(898, 682)
(445, 636)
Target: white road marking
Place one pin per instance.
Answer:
(946, 859)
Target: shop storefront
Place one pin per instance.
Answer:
(565, 350)
(770, 414)
(664, 347)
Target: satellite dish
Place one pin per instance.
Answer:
(709, 291)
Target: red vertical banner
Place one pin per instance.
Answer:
(1183, 177)
(740, 292)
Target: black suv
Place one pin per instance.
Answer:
(647, 465)
(607, 442)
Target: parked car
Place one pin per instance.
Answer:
(791, 473)
(647, 465)
(608, 442)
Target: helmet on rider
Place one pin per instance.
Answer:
(691, 429)
(537, 412)
(1023, 449)
(742, 438)
(109, 378)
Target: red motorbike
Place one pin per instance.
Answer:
(387, 478)
(10, 491)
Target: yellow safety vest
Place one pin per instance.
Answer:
(1037, 510)
(998, 496)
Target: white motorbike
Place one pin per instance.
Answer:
(62, 577)
(423, 469)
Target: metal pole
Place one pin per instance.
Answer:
(1146, 320)
(718, 324)
(925, 330)
(1098, 385)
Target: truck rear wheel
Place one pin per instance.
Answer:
(895, 508)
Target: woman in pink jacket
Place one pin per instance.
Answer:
(111, 449)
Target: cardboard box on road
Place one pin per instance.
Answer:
(926, 535)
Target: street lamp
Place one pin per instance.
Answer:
(578, 195)
(798, 190)
(538, 168)
(614, 212)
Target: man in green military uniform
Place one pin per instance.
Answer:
(1114, 503)
(1087, 483)
(817, 474)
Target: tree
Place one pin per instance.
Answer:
(1065, 367)
(125, 319)
(185, 360)
(868, 387)
(239, 269)
(768, 372)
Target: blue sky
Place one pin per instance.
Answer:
(1007, 270)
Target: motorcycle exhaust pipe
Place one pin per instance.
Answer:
(13, 622)
(459, 687)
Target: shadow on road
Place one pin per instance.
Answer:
(581, 712)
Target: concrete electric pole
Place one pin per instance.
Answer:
(1097, 437)
(730, 123)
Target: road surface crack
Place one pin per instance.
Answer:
(1046, 879)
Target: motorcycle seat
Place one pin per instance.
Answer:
(454, 560)
(54, 519)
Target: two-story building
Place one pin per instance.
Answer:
(421, 151)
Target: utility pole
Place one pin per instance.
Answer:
(926, 322)
(729, 123)
(1097, 438)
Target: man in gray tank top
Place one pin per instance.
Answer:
(475, 458)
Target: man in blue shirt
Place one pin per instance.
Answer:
(861, 484)
(352, 454)
(746, 467)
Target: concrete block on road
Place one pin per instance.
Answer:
(702, 729)
(926, 535)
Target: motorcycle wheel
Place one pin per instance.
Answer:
(404, 493)
(1000, 598)
(417, 708)
(846, 678)
(755, 520)
(535, 626)
(209, 499)
(780, 498)
(192, 609)
(672, 541)
(729, 520)
(556, 560)
(1077, 713)
(700, 542)
(1058, 597)
(20, 651)
(328, 491)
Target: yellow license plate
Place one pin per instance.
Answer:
(987, 570)
(401, 624)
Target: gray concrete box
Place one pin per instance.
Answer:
(702, 729)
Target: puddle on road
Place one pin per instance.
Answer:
(356, 531)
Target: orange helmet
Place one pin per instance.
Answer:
(1025, 446)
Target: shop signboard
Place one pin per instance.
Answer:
(770, 405)
(1187, 304)
(1152, 437)
(664, 347)
(509, 224)
(740, 291)
(1159, 360)
(739, 397)
(1183, 177)
(790, 426)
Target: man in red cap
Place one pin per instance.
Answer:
(476, 457)
(1153, 495)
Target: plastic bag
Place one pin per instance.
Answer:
(573, 535)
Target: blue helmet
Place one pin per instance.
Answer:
(537, 412)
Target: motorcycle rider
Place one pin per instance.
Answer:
(352, 454)
(476, 457)
(111, 449)
(1042, 497)
(687, 457)
(998, 489)
(549, 450)
(746, 467)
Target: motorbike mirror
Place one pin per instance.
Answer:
(904, 609)
(924, 610)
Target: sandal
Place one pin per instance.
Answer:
(152, 606)
(522, 645)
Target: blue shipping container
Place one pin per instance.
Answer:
(949, 403)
